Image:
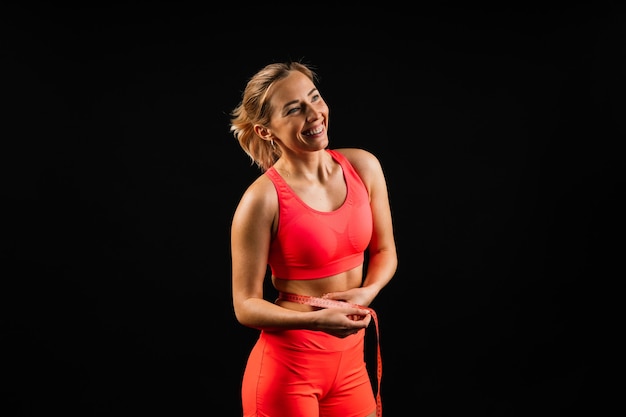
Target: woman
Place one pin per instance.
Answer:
(310, 216)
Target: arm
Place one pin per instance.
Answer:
(251, 232)
(383, 258)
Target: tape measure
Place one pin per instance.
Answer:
(328, 303)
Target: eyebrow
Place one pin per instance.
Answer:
(314, 89)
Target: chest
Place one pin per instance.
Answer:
(321, 196)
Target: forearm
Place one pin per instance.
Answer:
(380, 270)
(264, 315)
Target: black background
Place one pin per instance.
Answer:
(499, 129)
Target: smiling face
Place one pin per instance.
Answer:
(299, 114)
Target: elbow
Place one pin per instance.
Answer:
(245, 316)
(243, 320)
(241, 316)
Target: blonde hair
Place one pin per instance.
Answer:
(254, 109)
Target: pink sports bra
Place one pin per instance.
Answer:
(313, 244)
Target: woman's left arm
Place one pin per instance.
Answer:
(383, 258)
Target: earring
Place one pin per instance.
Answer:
(272, 142)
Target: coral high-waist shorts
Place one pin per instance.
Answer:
(304, 373)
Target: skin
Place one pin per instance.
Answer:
(299, 125)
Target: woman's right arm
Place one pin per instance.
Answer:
(250, 239)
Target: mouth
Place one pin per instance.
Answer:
(315, 131)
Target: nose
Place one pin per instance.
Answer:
(312, 114)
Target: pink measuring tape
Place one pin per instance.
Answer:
(328, 303)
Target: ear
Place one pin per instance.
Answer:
(263, 132)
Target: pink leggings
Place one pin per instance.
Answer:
(303, 373)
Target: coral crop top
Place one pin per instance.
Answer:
(315, 244)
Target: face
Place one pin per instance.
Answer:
(299, 117)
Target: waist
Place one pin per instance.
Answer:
(313, 340)
(318, 302)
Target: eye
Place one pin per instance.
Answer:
(293, 110)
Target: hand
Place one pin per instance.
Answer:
(342, 321)
(360, 296)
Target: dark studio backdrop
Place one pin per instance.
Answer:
(497, 129)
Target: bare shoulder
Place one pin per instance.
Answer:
(259, 199)
(365, 162)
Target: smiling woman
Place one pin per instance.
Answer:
(311, 216)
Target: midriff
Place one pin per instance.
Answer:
(317, 287)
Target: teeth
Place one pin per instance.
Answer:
(316, 131)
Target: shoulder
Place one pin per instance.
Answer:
(363, 161)
(259, 200)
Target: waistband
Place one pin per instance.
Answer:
(328, 303)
